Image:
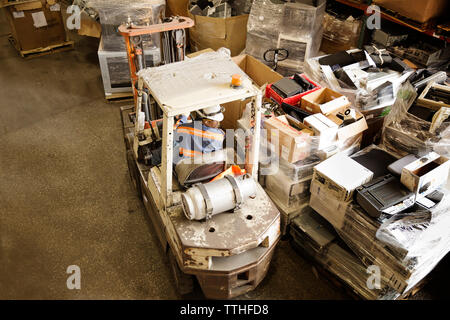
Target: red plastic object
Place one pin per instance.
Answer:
(294, 100)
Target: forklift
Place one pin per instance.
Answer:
(222, 232)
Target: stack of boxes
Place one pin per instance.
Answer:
(392, 214)
(302, 144)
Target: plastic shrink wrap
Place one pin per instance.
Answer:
(405, 133)
(401, 265)
(300, 31)
(113, 13)
(315, 237)
(339, 34)
(365, 94)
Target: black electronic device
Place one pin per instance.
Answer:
(377, 161)
(397, 64)
(295, 112)
(305, 84)
(287, 87)
(435, 196)
(342, 76)
(337, 60)
(384, 195)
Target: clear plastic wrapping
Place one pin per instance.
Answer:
(417, 232)
(240, 7)
(341, 32)
(289, 192)
(115, 69)
(300, 31)
(405, 133)
(368, 92)
(113, 13)
(402, 265)
(310, 233)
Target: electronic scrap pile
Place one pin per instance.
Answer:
(386, 205)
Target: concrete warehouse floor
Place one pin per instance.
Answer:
(66, 198)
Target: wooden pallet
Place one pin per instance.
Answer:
(331, 278)
(28, 54)
(119, 97)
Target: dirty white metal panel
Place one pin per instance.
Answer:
(253, 222)
(166, 161)
(199, 82)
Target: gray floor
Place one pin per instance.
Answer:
(66, 199)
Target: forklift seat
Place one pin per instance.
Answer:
(210, 165)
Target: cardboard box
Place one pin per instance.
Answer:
(36, 24)
(89, 27)
(424, 101)
(324, 101)
(260, 74)
(293, 144)
(340, 175)
(211, 32)
(426, 174)
(352, 129)
(177, 8)
(417, 10)
(325, 130)
(324, 204)
(289, 192)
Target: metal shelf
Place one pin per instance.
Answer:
(363, 6)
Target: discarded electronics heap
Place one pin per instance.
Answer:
(389, 204)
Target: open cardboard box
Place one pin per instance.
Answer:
(324, 100)
(293, 137)
(426, 174)
(260, 74)
(212, 32)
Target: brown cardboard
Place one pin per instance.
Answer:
(418, 10)
(352, 129)
(210, 32)
(324, 101)
(426, 174)
(177, 8)
(260, 74)
(293, 143)
(89, 27)
(27, 36)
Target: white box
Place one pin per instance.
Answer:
(426, 174)
(324, 128)
(340, 175)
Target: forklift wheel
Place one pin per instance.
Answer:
(134, 174)
(183, 282)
